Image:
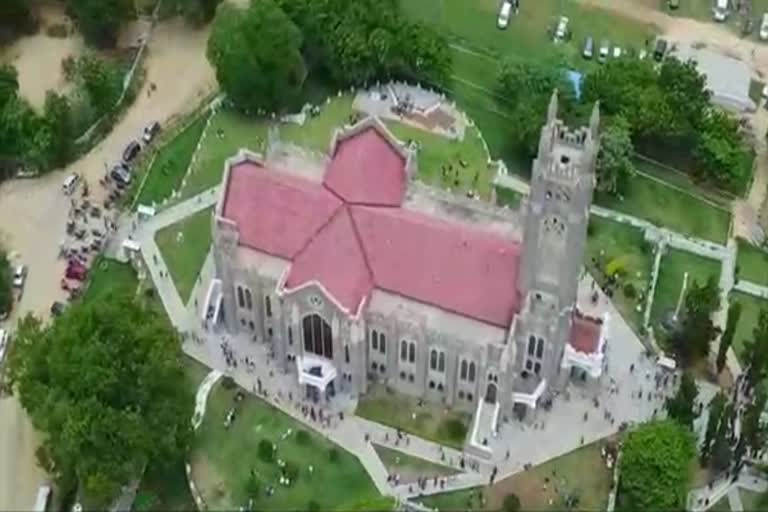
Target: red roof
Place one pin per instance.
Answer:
(352, 177)
(351, 243)
(585, 334)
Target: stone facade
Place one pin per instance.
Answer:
(420, 349)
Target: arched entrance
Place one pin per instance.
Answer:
(490, 393)
(318, 338)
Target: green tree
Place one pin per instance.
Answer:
(106, 385)
(734, 313)
(719, 147)
(682, 407)
(686, 93)
(527, 86)
(9, 84)
(15, 18)
(697, 330)
(716, 409)
(754, 432)
(655, 467)
(722, 453)
(423, 54)
(6, 284)
(511, 503)
(198, 11)
(614, 161)
(55, 136)
(102, 82)
(256, 54)
(757, 352)
(99, 20)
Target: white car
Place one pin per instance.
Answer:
(561, 31)
(504, 13)
(720, 10)
(19, 276)
(764, 27)
(616, 52)
(3, 343)
(70, 184)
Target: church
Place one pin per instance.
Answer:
(352, 277)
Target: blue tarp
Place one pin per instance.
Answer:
(576, 80)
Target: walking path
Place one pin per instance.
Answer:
(705, 497)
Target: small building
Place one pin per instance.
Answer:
(727, 78)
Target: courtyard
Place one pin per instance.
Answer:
(184, 247)
(750, 312)
(580, 474)
(619, 253)
(224, 458)
(752, 263)
(669, 283)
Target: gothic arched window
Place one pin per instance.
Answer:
(472, 372)
(463, 372)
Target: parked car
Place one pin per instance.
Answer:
(642, 54)
(764, 27)
(720, 10)
(76, 271)
(131, 151)
(504, 13)
(561, 30)
(121, 175)
(605, 48)
(589, 48)
(660, 49)
(150, 132)
(616, 52)
(19, 276)
(70, 183)
(3, 343)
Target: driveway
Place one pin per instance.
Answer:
(33, 214)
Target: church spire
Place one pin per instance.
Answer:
(594, 120)
(552, 109)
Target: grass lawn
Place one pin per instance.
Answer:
(171, 164)
(436, 151)
(224, 458)
(752, 501)
(721, 506)
(750, 312)
(508, 197)
(581, 472)
(408, 467)
(619, 248)
(432, 422)
(669, 283)
(229, 131)
(472, 23)
(665, 206)
(752, 263)
(682, 180)
(316, 132)
(185, 257)
(108, 276)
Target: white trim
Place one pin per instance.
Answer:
(328, 371)
(530, 399)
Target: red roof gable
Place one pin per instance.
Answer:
(275, 212)
(585, 334)
(335, 258)
(352, 177)
(457, 268)
(350, 248)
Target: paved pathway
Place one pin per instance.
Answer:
(705, 497)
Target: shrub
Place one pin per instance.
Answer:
(590, 230)
(454, 429)
(303, 437)
(511, 503)
(630, 291)
(266, 451)
(334, 455)
(291, 471)
(228, 382)
(313, 506)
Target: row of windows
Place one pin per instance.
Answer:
(378, 341)
(245, 301)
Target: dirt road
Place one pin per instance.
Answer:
(33, 214)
